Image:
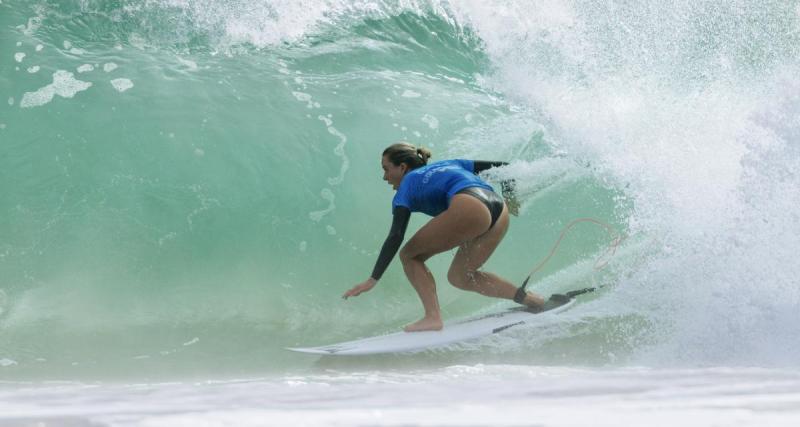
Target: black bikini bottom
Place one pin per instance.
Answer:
(490, 199)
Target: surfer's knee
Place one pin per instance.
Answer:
(461, 278)
(405, 254)
(408, 254)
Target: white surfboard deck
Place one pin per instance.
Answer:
(456, 331)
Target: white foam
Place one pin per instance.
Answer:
(122, 84)
(453, 79)
(327, 195)
(64, 85)
(85, 68)
(304, 97)
(39, 47)
(19, 56)
(19, 44)
(265, 23)
(431, 121)
(188, 63)
(410, 94)
(331, 230)
(33, 24)
(715, 187)
(109, 67)
(5, 362)
(338, 150)
(67, 44)
(301, 96)
(489, 395)
(137, 41)
(167, 237)
(34, 69)
(11, 100)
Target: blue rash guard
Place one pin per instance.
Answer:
(428, 189)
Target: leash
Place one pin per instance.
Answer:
(601, 262)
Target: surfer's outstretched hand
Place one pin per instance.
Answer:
(512, 203)
(360, 288)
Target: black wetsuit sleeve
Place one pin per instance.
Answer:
(400, 217)
(507, 185)
(482, 165)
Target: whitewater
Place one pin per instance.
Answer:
(188, 187)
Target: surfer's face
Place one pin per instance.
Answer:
(391, 173)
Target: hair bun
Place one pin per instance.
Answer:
(424, 154)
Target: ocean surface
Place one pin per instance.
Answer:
(188, 187)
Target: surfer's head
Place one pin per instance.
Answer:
(400, 158)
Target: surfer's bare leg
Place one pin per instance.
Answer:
(464, 220)
(473, 254)
(423, 282)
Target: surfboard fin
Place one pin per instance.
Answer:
(573, 294)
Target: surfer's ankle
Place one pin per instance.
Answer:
(533, 301)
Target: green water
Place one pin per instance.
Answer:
(206, 200)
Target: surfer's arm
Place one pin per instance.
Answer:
(400, 217)
(507, 186)
(482, 165)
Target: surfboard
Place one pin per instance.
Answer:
(453, 332)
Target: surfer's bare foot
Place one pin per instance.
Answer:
(533, 301)
(425, 324)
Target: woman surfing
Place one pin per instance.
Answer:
(467, 214)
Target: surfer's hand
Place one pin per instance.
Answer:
(509, 194)
(360, 288)
(513, 205)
